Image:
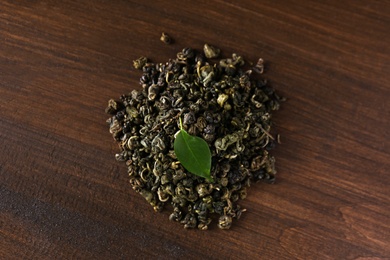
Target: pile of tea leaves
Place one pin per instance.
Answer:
(219, 101)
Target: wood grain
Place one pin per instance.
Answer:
(62, 193)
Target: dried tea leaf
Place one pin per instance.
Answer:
(219, 102)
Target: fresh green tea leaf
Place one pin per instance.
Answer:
(193, 153)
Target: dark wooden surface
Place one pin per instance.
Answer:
(63, 195)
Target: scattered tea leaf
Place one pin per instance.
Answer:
(143, 124)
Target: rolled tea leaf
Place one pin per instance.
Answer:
(193, 153)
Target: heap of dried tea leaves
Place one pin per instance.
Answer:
(221, 103)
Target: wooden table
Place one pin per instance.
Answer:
(63, 195)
